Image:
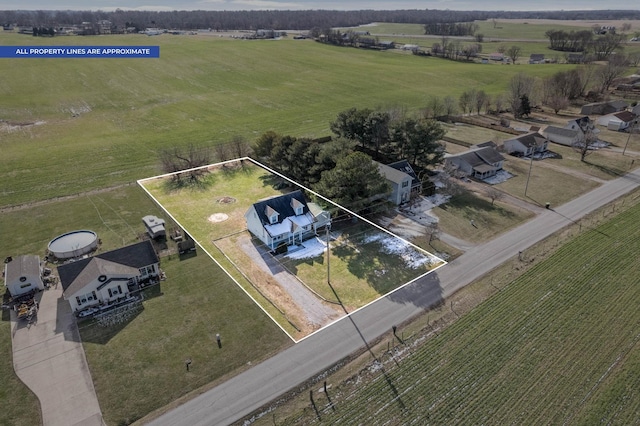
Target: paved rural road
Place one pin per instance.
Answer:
(258, 386)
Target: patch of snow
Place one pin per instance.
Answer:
(437, 199)
(499, 177)
(392, 245)
(313, 247)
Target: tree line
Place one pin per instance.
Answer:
(283, 19)
(599, 47)
(451, 28)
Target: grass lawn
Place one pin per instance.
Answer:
(363, 270)
(545, 185)
(95, 123)
(140, 367)
(539, 351)
(193, 205)
(603, 163)
(490, 220)
(476, 134)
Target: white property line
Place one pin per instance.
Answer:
(210, 166)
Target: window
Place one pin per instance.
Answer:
(25, 285)
(147, 270)
(86, 298)
(405, 183)
(273, 218)
(298, 211)
(114, 291)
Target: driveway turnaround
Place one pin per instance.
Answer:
(48, 357)
(263, 383)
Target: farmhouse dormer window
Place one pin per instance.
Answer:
(271, 214)
(297, 206)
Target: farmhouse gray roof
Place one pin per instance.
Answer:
(561, 131)
(394, 175)
(479, 157)
(282, 205)
(530, 140)
(489, 155)
(405, 167)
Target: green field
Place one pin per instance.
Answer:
(115, 115)
(558, 345)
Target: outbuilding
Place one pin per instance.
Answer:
(23, 275)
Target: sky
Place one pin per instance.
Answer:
(110, 5)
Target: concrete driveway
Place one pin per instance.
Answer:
(48, 357)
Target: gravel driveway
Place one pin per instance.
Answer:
(316, 311)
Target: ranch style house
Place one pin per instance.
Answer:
(108, 277)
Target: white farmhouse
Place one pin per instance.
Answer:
(285, 220)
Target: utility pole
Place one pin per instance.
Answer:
(529, 175)
(328, 256)
(633, 125)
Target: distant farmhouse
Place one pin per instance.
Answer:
(526, 145)
(480, 163)
(399, 181)
(285, 220)
(405, 167)
(604, 108)
(108, 277)
(563, 136)
(617, 121)
(536, 58)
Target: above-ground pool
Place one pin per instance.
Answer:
(73, 244)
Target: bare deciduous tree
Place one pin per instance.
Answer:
(494, 194)
(514, 53)
(585, 146)
(482, 100)
(557, 102)
(449, 105)
(449, 178)
(240, 146)
(520, 85)
(222, 152)
(190, 160)
(436, 107)
(606, 74)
